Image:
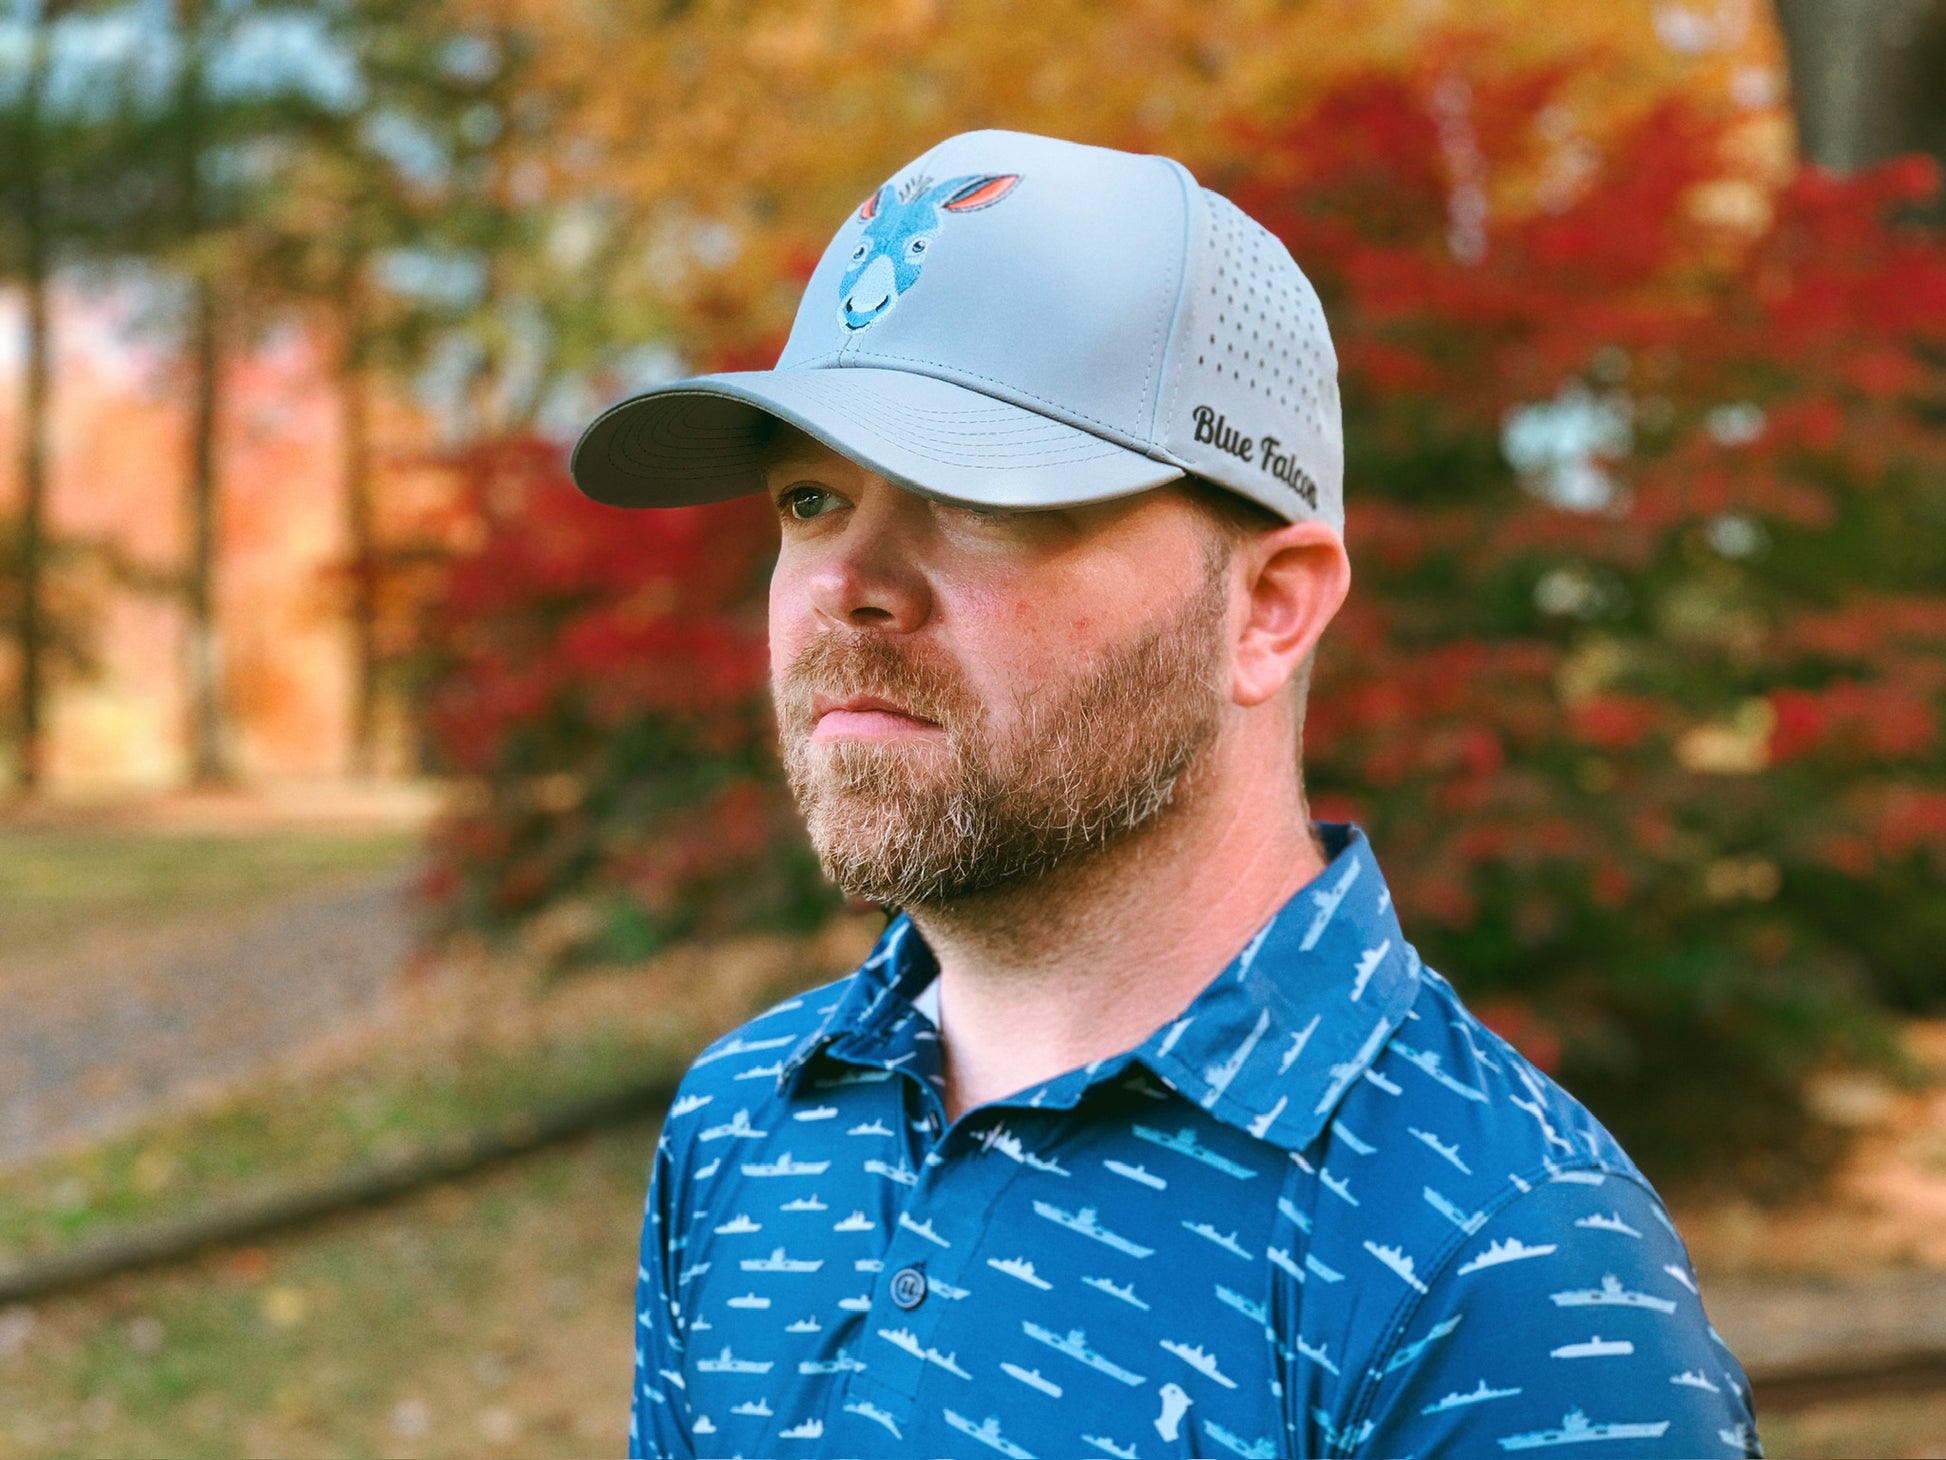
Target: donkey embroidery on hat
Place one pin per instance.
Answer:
(899, 229)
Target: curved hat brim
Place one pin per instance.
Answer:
(701, 440)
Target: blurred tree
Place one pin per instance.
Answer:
(25, 188)
(1639, 694)
(208, 111)
(49, 160)
(380, 186)
(1641, 690)
(599, 679)
(198, 207)
(699, 152)
(1868, 78)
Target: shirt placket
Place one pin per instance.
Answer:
(918, 1336)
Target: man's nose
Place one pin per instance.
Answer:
(871, 580)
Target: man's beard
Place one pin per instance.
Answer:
(1089, 762)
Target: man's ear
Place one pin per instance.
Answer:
(1297, 576)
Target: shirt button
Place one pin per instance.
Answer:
(909, 1287)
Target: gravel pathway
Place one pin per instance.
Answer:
(121, 1023)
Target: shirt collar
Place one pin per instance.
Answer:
(1270, 1045)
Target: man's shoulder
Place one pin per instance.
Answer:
(1520, 1237)
(1518, 1119)
(1450, 1125)
(745, 1064)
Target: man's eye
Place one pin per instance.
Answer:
(804, 503)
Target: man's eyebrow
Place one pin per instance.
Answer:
(797, 472)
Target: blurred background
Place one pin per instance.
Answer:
(387, 825)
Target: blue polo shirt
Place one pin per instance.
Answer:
(1323, 1211)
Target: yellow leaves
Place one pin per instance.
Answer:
(774, 118)
(1736, 746)
(285, 1307)
(154, 1170)
(1731, 879)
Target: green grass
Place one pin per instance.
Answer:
(486, 1319)
(58, 882)
(293, 1134)
(489, 1319)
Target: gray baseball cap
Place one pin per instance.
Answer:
(1021, 321)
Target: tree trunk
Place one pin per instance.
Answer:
(209, 759)
(361, 536)
(1868, 78)
(34, 408)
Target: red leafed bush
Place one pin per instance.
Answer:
(1638, 688)
(1648, 494)
(598, 677)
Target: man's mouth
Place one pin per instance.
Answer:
(865, 716)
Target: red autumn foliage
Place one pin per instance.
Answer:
(1764, 528)
(1638, 689)
(600, 675)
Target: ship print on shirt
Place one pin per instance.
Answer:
(778, 1262)
(1325, 903)
(1202, 1362)
(1368, 963)
(785, 1165)
(1402, 1202)
(1229, 1297)
(1450, 1154)
(1507, 1249)
(739, 1045)
(1397, 1260)
(1125, 1291)
(1467, 1222)
(997, 1137)
(987, 1432)
(1262, 1449)
(1020, 1267)
(1084, 1222)
(839, 1363)
(1611, 1293)
(872, 1412)
(1032, 1378)
(1226, 1240)
(1594, 1348)
(923, 1230)
(727, 1363)
(1479, 1394)
(1608, 1222)
(1075, 1345)
(1184, 1143)
(737, 1125)
(904, 1338)
(1576, 1428)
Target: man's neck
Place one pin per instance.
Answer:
(1089, 961)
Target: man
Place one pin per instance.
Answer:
(1143, 1130)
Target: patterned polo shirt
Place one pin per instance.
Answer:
(1324, 1211)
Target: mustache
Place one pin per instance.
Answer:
(842, 665)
